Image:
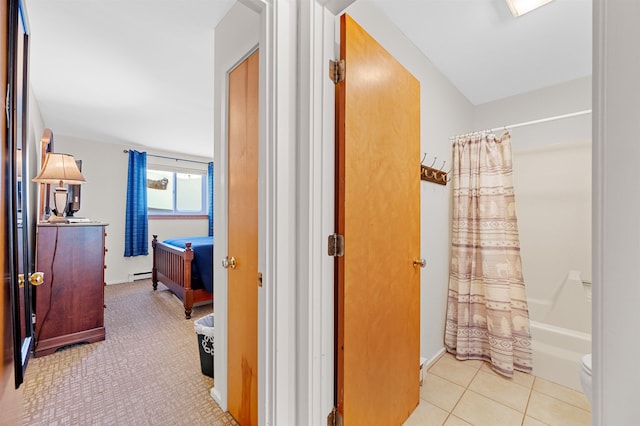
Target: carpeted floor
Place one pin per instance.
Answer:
(146, 372)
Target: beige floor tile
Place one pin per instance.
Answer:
(563, 393)
(480, 410)
(530, 421)
(455, 371)
(475, 363)
(440, 392)
(519, 377)
(426, 414)
(553, 411)
(456, 421)
(501, 389)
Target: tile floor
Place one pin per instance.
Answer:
(470, 393)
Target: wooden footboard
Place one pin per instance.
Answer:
(172, 267)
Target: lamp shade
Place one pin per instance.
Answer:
(59, 169)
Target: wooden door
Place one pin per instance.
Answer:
(243, 242)
(378, 203)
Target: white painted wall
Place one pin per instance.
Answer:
(104, 195)
(564, 98)
(35, 121)
(36, 128)
(444, 112)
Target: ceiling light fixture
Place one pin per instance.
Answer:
(520, 7)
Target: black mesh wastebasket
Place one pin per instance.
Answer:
(204, 330)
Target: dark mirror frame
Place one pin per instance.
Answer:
(22, 242)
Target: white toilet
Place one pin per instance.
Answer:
(585, 375)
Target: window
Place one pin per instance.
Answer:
(176, 192)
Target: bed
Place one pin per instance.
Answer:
(185, 266)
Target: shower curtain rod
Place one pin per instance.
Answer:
(528, 123)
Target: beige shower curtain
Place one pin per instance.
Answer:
(487, 314)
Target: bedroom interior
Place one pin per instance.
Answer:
(445, 112)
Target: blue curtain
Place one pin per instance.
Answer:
(210, 182)
(136, 240)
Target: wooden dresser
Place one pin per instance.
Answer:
(70, 302)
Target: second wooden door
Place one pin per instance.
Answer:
(243, 242)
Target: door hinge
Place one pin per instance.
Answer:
(334, 418)
(336, 245)
(336, 71)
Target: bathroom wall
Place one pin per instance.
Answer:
(552, 179)
(553, 184)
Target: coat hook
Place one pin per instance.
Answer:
(443, 163)
(434, 162)
(423, 158)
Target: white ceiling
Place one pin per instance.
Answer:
(140, 72)
(136, 72)
(487, 53)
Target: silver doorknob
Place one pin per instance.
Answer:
(229, 262)
(420, 262)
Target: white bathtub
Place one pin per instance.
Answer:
(557, 353)
(561, 332)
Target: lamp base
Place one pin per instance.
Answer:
(57, 219)
(60, 201)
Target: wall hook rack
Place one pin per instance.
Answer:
(431, 174)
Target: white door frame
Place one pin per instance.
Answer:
(314, 303)
(296, 205)
(616, 208)
(276, 233)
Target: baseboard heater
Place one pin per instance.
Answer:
(139, 276)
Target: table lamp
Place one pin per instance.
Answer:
(59, 169)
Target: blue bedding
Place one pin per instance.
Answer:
(202, 265)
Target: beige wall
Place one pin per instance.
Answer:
(104, 166)
(552, 180)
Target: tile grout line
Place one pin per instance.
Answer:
(463, 393)
(524, 413)
(526, 408)
(560, 399)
